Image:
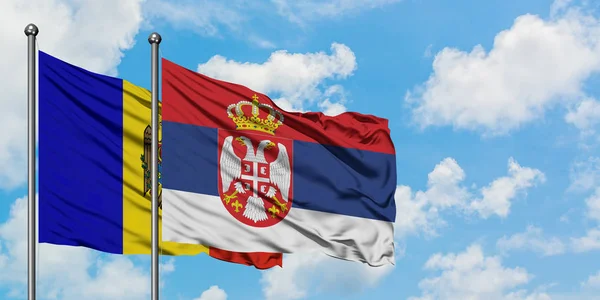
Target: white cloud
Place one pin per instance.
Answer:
(216, 19)
(472, 275)
(559, 6)
(593, 206)
(420, 212)
(297, 79)
(428, 52)
(77, 31)
(167, 267)
(585, 175)
(498, 195)
(335, 98)
(585, 116)
(212, 18)
(532, 239)
(202, 16)
(261, 42)
(593, 282)
(524, 295)
(301, 11)
(316, 271)
(331, 109)
(213, 293)
(443, 184)
(532, 66)
(89, 276)
(588, 291)
(589, 242)
(164, 268)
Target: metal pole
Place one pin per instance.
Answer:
(154, 40)
(31, 32)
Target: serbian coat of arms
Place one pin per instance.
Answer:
(255, 166)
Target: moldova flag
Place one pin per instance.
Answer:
(94, 166)
(243, 175)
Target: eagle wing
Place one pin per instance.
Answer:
(231, 165)
(281, 172)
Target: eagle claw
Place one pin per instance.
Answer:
(240, 140)
(283, 206)
(228, 198)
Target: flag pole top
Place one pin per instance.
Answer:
(31, 29)
(154, 38)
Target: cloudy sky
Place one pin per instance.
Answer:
(493, 110)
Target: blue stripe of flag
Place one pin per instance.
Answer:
(80, 157)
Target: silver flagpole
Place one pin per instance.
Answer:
(154, 40)
(31, 32)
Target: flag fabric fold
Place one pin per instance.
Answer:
(94, 166)
(243, 175)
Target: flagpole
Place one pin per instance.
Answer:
(31, 32)
(154, 39)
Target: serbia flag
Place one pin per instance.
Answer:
(240, 174)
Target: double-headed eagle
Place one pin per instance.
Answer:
(279, 176)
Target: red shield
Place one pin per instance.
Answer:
(255, 176)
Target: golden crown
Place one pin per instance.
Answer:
(254, 122)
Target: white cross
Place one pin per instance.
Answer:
(255, 179)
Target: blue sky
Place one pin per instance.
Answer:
(493, 111)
